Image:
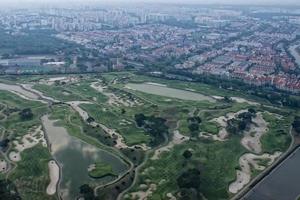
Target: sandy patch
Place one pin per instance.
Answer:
(142, 195)
(157, 84)
(222, 121)
(66, 79)
(54, 177)
(28, 141)
(176, 139)
(242, 100)
(218, 97)
(97, 86)
(171, 196)
(251, 139)
(246, 162)
(3, 165)
(113, 99)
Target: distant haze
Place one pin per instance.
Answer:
(61, 2)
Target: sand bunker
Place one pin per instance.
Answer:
(115, 100)
(54, 177)
(246, 162)
(28, 141)
(142, 195)
(176, 139)
(222, 121)
(251, 139)
(66, 79)
(242, 100)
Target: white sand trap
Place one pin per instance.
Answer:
(3, 165)
(251, 139)
(143, 195)
(28, 141)
(171, 196)
(97, 86)
(157, 84)
(217, 97)
(113, 99)
(54, 177)
(66, 79)
(222, 121)
(176, 139)
(242, 100)
(247, 161)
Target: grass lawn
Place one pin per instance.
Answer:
(129, 131)
(217, 162)
(61, 93)
(32, 174)
(101, 170)
(277, 138)
(210, 127)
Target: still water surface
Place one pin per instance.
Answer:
(74, 156)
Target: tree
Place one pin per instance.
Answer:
(8, 190)
(123, 111)
(90, 120)
(189, 179)
(252, 110)
(194, 127)
(139, 119)
(296, 124)
(187, 154)
(87, 192)
(26, 114)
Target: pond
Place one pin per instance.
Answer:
(282, 183)
(74, 157)
(163, 90)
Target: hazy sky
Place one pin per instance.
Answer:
(26, 2)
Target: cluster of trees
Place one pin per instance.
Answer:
(154, 126)
(32, 42)
(241, 122)
(296, 124)
(194, 123)
(8, 191)
(26, 114)
(87, 192)
(189, 184)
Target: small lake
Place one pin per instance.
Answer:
(295, 54)
(283, 183)
(74, 156)
(165, 91)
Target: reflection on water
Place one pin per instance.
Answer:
(74, 157)
(169, 92)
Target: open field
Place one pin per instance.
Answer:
(152, 133)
